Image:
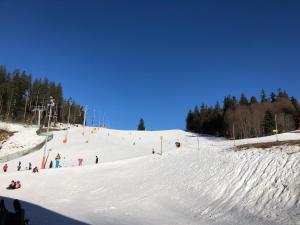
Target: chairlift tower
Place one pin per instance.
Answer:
(39, 109)
(50, 105)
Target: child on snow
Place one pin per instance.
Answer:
(35, 170)
(5, 167)
(57, 160)
(19, 166)
(14, 185)
(51, 164)
(80, 160)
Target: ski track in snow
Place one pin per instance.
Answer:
(130, 186)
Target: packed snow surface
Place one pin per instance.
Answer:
(204, 182)
(23, 138)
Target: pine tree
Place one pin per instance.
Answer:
(263, 96)
(189, 120)
(243, 100)
(269, 122)
(253, 100)
(229, 103)
(273, 97)
(141, 125)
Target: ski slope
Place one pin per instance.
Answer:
(204, 182)
(23, 138)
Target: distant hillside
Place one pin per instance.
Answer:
(245, 118)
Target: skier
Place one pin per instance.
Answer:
(97, 159)
(29, 168)
(35, 170)
(5, 167)
(19, 166)
(80, 160)
(51, 164)
(57, 160)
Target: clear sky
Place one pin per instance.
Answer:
(154, 59)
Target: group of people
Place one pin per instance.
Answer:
(58, 158)
(5, 167)
(57, 164)
(14, 185)
(10, 218)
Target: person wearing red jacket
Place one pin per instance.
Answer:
(5, 167)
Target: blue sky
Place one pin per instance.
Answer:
(154, 59)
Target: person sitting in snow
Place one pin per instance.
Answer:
(18, 184)
(12, 185)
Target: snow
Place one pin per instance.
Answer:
(208, 185)
(24, 138)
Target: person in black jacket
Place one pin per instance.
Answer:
(51, 164)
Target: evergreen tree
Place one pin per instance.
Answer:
(269, 122)
(229, 103)
(196, 120)
(243, 100)
(273, 97)
(253, 100)
(141, 125)
(282, 94)
(263, 96)
(189, 121)
(19, 94)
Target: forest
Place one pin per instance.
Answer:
(21, 96)
(246, 118)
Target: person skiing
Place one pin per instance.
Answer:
(80, 160)
(97, 159)
(5, 167)
(35, 170)
(29, 167)
(51, 164)
(57, 160)
(19, 166)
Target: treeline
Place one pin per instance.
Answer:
(20, 95)
(245, 118)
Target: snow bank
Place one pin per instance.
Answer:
(23, 138)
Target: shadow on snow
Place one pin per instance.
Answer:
(38, 215)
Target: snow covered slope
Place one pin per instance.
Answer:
(23, 138)
(203, 184)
